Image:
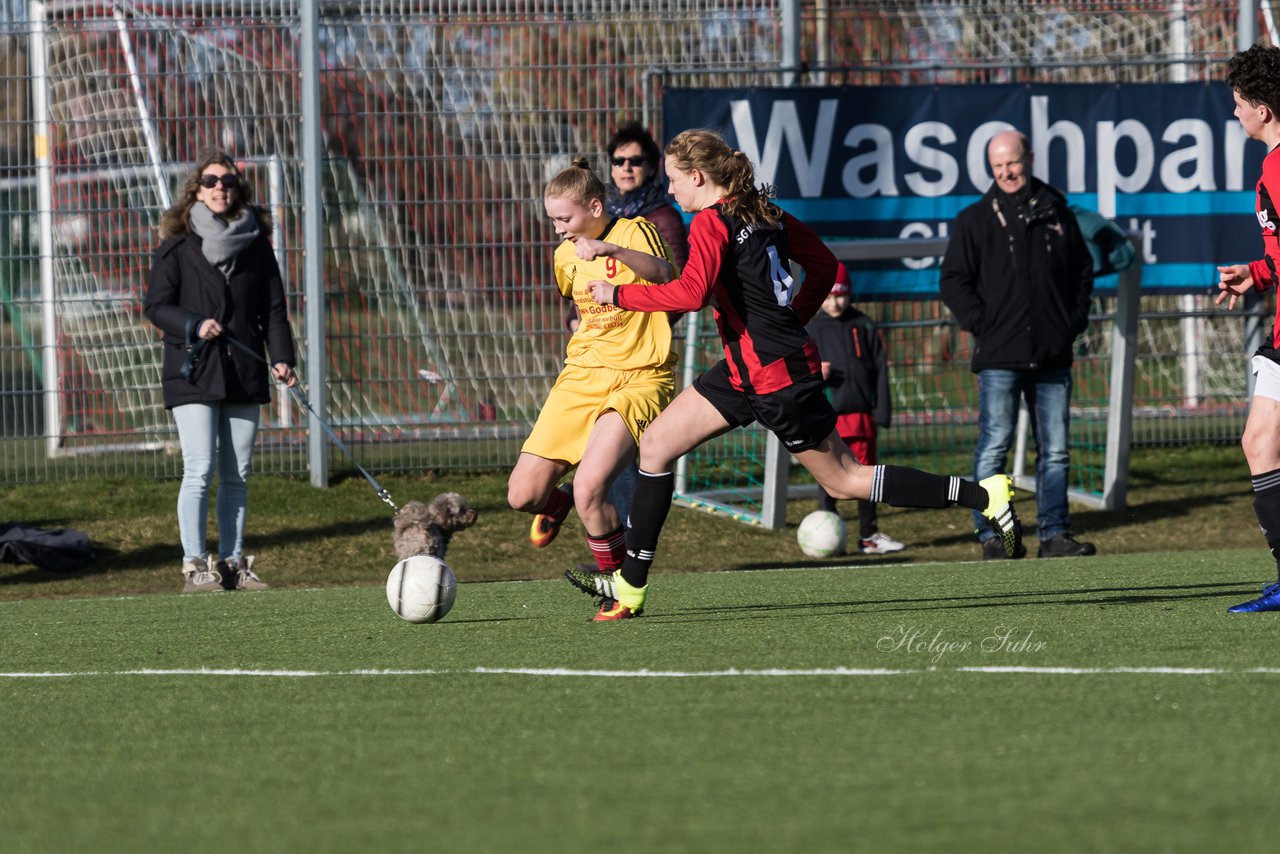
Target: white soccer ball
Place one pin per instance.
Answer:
(822, 534)
(421, 589)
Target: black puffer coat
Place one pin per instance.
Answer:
(250, 305)
(1019, 277)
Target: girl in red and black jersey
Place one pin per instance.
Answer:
(1254, 77)
(740, 249)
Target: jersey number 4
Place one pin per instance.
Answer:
(783, 284)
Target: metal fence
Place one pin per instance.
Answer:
(434, 324)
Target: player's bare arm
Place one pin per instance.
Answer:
(651, 268)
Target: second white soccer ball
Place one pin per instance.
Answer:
(421, 589)
(822, 534)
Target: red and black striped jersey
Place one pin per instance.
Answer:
(743, 271)
(1264, 271)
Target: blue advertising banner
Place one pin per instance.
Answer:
(1167, 160)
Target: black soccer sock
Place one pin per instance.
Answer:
(825, 501)
(867, 524)
(900, 486)
(1266, 504)
(649, 508)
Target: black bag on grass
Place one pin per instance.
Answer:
(59, 549)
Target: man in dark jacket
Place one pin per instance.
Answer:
(1018, 275)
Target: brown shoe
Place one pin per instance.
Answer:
(241, 576)
(199, 577)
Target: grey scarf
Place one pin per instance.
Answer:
(223, 239)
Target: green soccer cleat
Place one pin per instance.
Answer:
(591, 581)
(1000, 515)
(619, 600)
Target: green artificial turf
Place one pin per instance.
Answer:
(1179, 499)
(944, 707)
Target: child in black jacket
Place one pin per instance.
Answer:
(856, 371)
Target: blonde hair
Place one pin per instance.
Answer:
(176, 220)
(578, 183)
(707, 152)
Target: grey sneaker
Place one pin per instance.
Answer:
(240, 575)
(199, 577)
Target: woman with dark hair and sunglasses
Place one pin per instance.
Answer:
(214, 278)
(637, 187)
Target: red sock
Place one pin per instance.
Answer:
(557, 505)
(610, 550)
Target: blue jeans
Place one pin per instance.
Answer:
(621, 489)
(225, 432)
(1048, 395)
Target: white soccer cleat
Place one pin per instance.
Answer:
(881, 544)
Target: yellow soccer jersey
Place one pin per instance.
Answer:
(607, 336)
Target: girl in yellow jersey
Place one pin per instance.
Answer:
(617, 374)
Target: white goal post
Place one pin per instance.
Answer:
(1119, 421)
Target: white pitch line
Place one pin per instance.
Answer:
(654, 674)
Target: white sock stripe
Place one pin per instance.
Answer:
(644, 473)
(877, 484)
(605, 548)
(1266, 481)
(953, 489)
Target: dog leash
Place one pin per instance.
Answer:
(306, 404)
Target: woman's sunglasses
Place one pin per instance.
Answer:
(228, 181)
(636, 162)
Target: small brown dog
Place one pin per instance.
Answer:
(425, 529)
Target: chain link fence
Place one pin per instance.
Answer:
(440, 123)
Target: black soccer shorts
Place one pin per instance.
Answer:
(799, 415)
